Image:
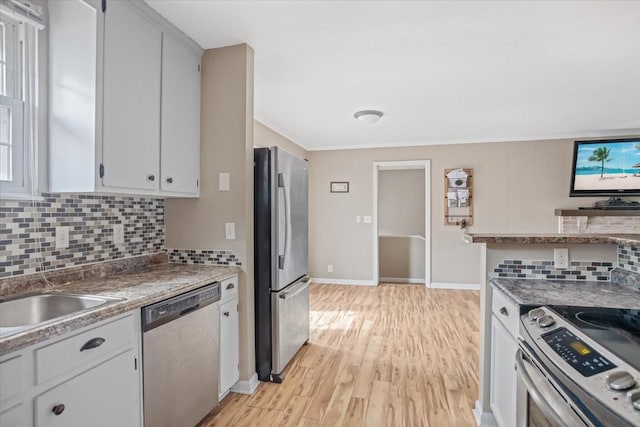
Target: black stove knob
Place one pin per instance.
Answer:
(619, 381)
(536, 313)
(545, 321)
(634, 399)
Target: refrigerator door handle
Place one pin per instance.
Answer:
(296, 289)
(285, 218)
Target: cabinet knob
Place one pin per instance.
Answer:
(170, 180)
(226, 314)
(58, 409)
(151, 177)
(504, 311)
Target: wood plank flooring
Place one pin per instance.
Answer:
(392, 355)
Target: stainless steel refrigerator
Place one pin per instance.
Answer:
(281, 259)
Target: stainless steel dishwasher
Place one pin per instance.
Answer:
(180, 343)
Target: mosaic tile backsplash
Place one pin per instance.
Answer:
(578, 270)
(203, 256)
(629, 258)
(24, 228)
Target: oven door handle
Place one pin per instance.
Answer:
(535, 393)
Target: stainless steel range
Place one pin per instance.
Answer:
(579, 366)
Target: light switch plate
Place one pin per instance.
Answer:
(230, 230)
(367, 219)
(358, 219)
(224, 181)
(62, 237)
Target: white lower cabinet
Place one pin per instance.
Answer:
(103, 396)
(88, 377)
(229, 336)
(503, 375)
(505, 322)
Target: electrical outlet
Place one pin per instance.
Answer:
(118, 234)
(224, 181)
(62, 237)
(230, 230)
(330, 268)
(560, 258)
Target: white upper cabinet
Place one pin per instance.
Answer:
(180, 136)
(124, 101)
(131, 116)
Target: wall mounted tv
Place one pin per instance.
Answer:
(607, 167)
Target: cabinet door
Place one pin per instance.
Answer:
(180, 135)
(15, 416)
(131, 131)
(229, 346)
(104, 396)
(503, 375)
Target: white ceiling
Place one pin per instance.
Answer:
(442, 72)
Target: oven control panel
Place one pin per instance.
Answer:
(577, 353)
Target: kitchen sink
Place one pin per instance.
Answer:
(20, 313)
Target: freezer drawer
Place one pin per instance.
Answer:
(290, 311)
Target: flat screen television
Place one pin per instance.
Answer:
(607, 167)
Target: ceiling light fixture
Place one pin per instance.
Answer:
(368, 116)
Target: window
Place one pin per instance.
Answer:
(18, 94)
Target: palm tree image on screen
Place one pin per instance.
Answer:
(601, 155)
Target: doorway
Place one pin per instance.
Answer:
(401, 222)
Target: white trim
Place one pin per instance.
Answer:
(401, 280)
(464, 286)
(342, 281)
(399, 165)
(483, 419)
(488, 140)
(246, 387)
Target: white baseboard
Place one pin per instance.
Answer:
(343, 281)
(483, 419)
(246, 387)
(401, 280)
(464, 286)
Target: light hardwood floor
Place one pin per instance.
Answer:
(392, 355)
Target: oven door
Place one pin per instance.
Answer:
(540, 401)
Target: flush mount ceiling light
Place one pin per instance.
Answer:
(368, 116)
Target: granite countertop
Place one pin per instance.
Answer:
(551, 238)
(568, 292)
(137, 288)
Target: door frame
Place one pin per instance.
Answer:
(403, 165)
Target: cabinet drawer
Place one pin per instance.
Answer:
(68, 354)
(506, 311)
(229, 289)
(11, 378)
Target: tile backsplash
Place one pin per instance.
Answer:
(629, 258)
(577, 270)
(27, 230)
(203, 256)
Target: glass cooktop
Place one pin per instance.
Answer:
(617, 330)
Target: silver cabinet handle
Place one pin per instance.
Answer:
(504, 311)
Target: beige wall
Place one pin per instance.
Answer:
(401, 257)
(266, 137)
(517, 186)
(401, 202)
(226, 146)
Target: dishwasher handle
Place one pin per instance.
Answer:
(189, 309)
